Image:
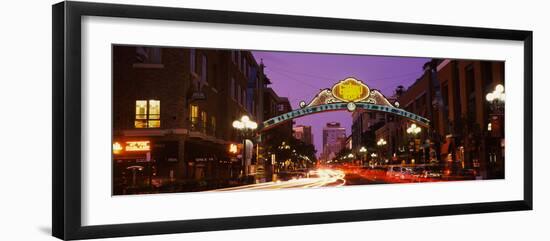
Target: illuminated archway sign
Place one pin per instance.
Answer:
(348, 94)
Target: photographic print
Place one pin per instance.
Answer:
(153, 111)
(197, 119)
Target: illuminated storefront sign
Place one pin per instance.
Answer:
(233, 148)
(138, 146)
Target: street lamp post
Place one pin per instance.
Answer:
(363, 152)
(372, 157)
(414, 130)
(246, 128)
(351, 156)
(496, 100)
(497, 97)
(381, 143)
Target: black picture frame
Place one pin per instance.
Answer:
(66, 47)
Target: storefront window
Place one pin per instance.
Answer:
(147, 114)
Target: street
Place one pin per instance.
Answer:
(317, 178)
(349, 175)
(259, 133)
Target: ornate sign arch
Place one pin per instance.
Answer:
(348, 94)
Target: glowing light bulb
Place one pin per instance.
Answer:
(489, 97)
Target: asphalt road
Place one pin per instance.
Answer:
(320, 178)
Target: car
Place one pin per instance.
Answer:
(406, 173)
(393, 171)
(400, 173)
(432, 172)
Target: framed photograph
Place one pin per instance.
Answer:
(170, 120)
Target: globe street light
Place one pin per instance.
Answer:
(245, 124)
(496, 100)
(351, 155)
(381, 143)
(363, 151)
(414, 130)
(373, 157)
(497, 95)
(246, 128)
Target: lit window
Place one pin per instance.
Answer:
(141, 114)
(204, 69)
(147, 114)
(154, 114)
(194, 114)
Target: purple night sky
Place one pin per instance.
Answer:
(300, 76)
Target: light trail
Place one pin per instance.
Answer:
(324, 177)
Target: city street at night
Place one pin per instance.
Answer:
(193, 120)
(348, 176)
(314, 178)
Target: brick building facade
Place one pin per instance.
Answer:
(181, 102)
(465, 132)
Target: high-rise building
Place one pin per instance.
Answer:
(303, 133)
(334, 139)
